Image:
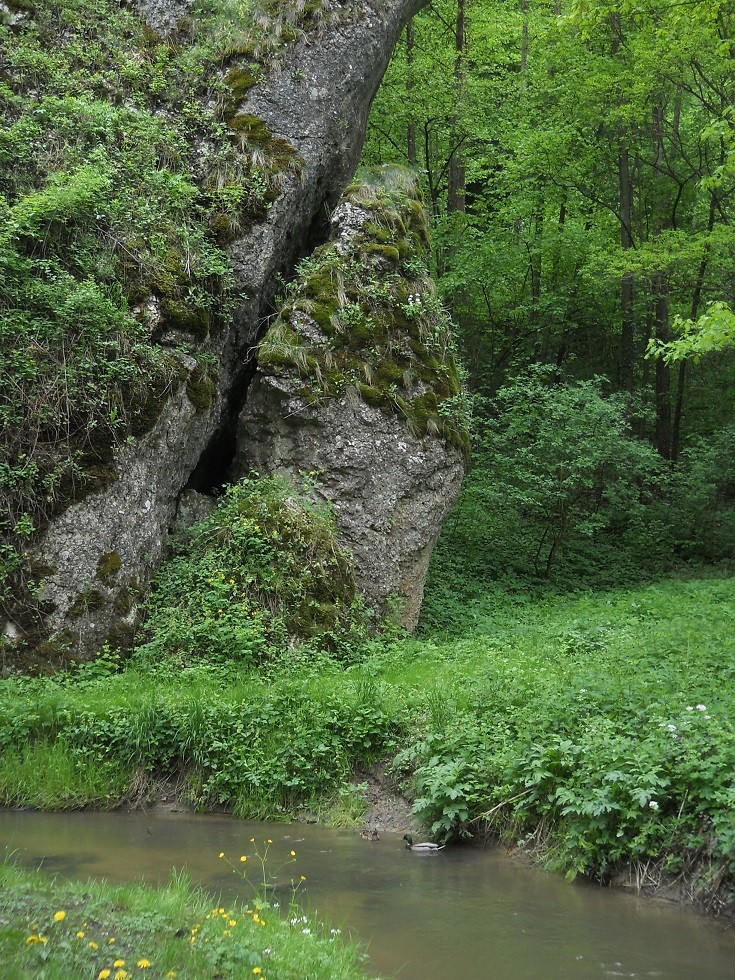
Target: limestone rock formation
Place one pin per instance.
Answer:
(311, 105)
(357, 385)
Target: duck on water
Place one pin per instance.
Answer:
(424, 848)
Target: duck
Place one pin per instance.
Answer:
(370, 833)
(426, 847)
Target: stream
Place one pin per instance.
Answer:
(465, 912)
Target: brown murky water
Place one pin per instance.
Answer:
(464, 913)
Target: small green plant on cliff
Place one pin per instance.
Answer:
(262, 573)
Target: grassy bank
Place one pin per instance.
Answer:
(594, 728)
(61, 930)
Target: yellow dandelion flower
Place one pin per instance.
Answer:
(232, 922)
(59, 916)
(257, 971)
(104, 974)
(292, 853)
(80, 934)
(221, 854)
(92, 944)
(226, 932)
(256, 917)
(144, 964)
(31, 940)
(243, 857)
(118, 963)
(302, 877)
(252, 840)
(121, 975)
(43, 939)
(111, 941)
(269, 841)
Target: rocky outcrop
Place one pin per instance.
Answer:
(311, 106)
(357, 385)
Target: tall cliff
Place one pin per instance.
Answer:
(246, 131)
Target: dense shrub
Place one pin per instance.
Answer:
(263, 573)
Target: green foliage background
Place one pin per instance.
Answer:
(570, 688)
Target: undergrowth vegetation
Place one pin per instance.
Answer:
(593, 728)
(264, 573)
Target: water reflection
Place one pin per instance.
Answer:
(463, 913)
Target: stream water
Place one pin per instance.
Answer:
(463, 913)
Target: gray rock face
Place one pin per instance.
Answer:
(391, 491)
(318, 99)
(104, 548)
(164, 15)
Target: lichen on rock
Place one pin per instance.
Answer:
(357, 379)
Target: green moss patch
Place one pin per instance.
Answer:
(201, 387)
(86, 601)
(108, 566)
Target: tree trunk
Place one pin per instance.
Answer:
(696, 299)
(625, 195)
(456, 189)
(663, 403)
(627, 325)
(411, 153)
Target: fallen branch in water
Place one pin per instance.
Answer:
(484, 816)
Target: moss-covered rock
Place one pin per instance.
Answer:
(360, 314)
(358, 380)
(119, 261)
